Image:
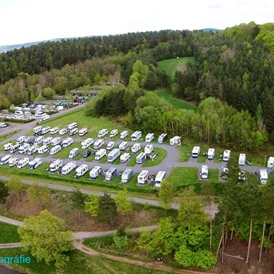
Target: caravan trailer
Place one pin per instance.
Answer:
(24, 148)
(113, 155)
(35, 163)
(37, 130)
(123, 146)
(83, 131)
(63, 131)
(162, 138)
(7, 146)
(56, 141)
(126, 175)
(47, 140)
(136, 147)
(54, 130)
(68, 168)
(100, 154)
(32, 149)
(136, 136)
(176, 140)
(159, 178)
(113, 133)
(103, 132)
(67, 142)
(110, 145)
(55, 165)
(98, 143)
(87, 143)
(72, 126)
(43, 149)
(141, 158)
(204, 172)
(73, 131)
(55, 150)
(210, 153)
(124, 134)
(81, 170)
(111, 173)
(149, 148)
(242, 159)
(74, 152)
(195, 152)
(226, 155)
(149, 137)
(5, 159)
(142, 177)
(23, 162)
(20, 140)
(263, 176)
(125, 157)
(270, 162)
(39, 140)
(95, 172)
(45, 130)
(14, 148)
(13, 161)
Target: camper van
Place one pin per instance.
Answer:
(20, 140)
(95, 172)
(23, 162)
(176, 140)
(87, 143)
(55, 150)
(126, 175)
(110, 145)
(195, 152)
(54, 166)
(149, 137)
(83, 131)
(37, 130)
(45, 130)
(33, 149)
(136, 147)
(113, 155)
(54, 130)
(66, 169)
(98, 143)
(14, 148)
(23, 148)
(13, 161)
(142, 177)
(210, 153)
(73, 131)
(4, 160)
(74, 152)
(67, 142)
(123, 134)
(149, 149)
(39, 140)
(103, 132)
(125, 157)
(270, 162)
(63, 131)
(162, 138)
(43, 149)
(204, 172)
(136, 136)
(242, 158)
(226, 155)
(47, 140)
(7, 146)
(111, 173)
(72, 126)
(123, 146)
(100, 154)
(56, 141)
(35, 163)
(263, 176)
(81, 170)
(113, 133)
(141, 158)
(159, 178)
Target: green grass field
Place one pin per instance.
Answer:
(162, 153)
(8, 234)
(6, 136)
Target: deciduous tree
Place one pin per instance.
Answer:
(92, 204)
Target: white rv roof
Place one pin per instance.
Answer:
(195, 149)
(143, 173)
(263, 174)
(211, 150)
(242, 156)
(226, 152)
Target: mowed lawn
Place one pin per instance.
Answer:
(8, 233)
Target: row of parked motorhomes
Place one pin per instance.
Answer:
(20, 163)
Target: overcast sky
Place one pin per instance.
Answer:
(36, 20)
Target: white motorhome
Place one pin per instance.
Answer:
(13, 161)
(102, 133)
(7, 146)
(111, 173)
(14, 148)
(149, 148)
(87, 143)
(74, 152)
(66, 169)
(83, 131)
(95, 172)
(98, 143)
(195, 152)
(162, 138)
(125, 157)
(45, 130)
(20, 140)
(54, 130)
(37, 129)
(176, 140)
(136, 136)
(44, 117)
(47, 140)
(23, 148)
(22, 163)
(72, 125)
(263, 176)
(123, 134)
(226, 155)
(149, 137)
(63, 131)
(142, 177)
(136, 147)
(81, 170)
(204, 172)
(33, 149)
(270, 162)
(159, 178)
(211, 153)
(43, 149)
(123, 146)
(67, 142)
(5, 159)
(100, 154)
(110, 145)
(54, 166)
(113, 133)
(141, 158)
(126, 175)
(56, 141)
(55, 149)
(242, 159)
(35, 163)
(73, 131)
(113, 155)
(39, 140)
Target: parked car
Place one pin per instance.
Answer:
(86, 154)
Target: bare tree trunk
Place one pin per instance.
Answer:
(249, 241)
(223, 244)
(269, 234)
(210, 235)
(262, 241)
(219, 246)
(231, 235)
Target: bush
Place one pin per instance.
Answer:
(120, 241)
